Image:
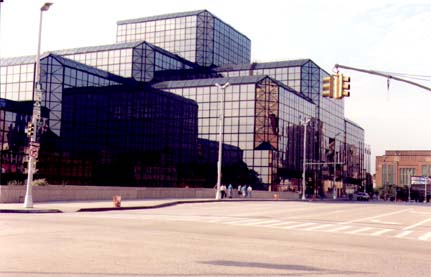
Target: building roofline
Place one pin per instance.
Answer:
(159, 17)
(174, 15)
(232, 80)
(263, 65)
(353, 123)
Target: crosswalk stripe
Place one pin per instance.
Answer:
(280, 223)
(341, 228)
(318, 227)
(299, 225)
(260, 222)
(359, 230)
(241, 221)
(426, 236)
(403, 234)
(380, 232)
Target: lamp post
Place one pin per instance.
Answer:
(334, 193)
(221, 135)
(304, 156)
(28, 202)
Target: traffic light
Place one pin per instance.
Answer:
(328, 86)
(345, 85)
(342, 86)
(30, 129)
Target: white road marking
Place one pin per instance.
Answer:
(380, 232)
(260, 222)
(403, 234)
(281, 223)
(417, 224)
(299, 225)
(425, 237)
(241, 221)
(318, 227)
(385, 222)
(339, 229)
(359, 230)
(377, 216)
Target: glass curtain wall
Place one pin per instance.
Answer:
(196, 36)
(59, 73)
(138, 60)
(17, 78)
(354, 153)
(261, 117)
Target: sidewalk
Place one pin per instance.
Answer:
(95, 206)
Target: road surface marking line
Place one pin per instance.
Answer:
(377, 216)
(427, 236)
(417, 224)
(381, 232)
(403, 234)
(359, 230)
(318, 227)
(339, 229)
(385, 222)
(281, 223)
(260, 222)
(242, 221)
(299, 225)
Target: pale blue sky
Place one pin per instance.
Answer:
(386, 35)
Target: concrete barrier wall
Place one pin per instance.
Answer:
(16, 194)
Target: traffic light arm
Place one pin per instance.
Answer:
(381, 74)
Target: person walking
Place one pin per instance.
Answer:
(223, 191)
(239, 190)
(230, 191)
(244, 191)
(249, 190)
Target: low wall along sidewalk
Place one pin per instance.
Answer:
(16, 194)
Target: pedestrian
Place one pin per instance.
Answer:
(249, 189)
(244, 191)
(223, 191)
(230, 191)
(239, 190)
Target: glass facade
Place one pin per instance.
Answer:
(196, 36)
(354, 152)
(121, 109)
(14, 118)
(58, 73)
(262, 117)
(138, 60)
(306, 77)
(17, 78)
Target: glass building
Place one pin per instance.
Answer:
(14, 117)
(149, 104)
(262, 117)
(197, 36)
(141, 60)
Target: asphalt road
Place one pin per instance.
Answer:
(222, 239)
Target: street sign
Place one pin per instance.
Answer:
(34, 150)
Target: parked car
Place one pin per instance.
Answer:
(361, 196)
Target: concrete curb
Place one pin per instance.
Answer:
(155, 206)
(105, 209)
(35, 211)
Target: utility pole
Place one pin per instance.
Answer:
(28, 200)
(373, 72)
(304, 156)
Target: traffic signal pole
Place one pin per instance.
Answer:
(373, 72)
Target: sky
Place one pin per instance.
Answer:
(384, 35)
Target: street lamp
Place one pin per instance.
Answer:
(304, 157)
(221, 134)
(334, 196)
(28, 202)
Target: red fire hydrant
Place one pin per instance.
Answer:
(116, 199)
